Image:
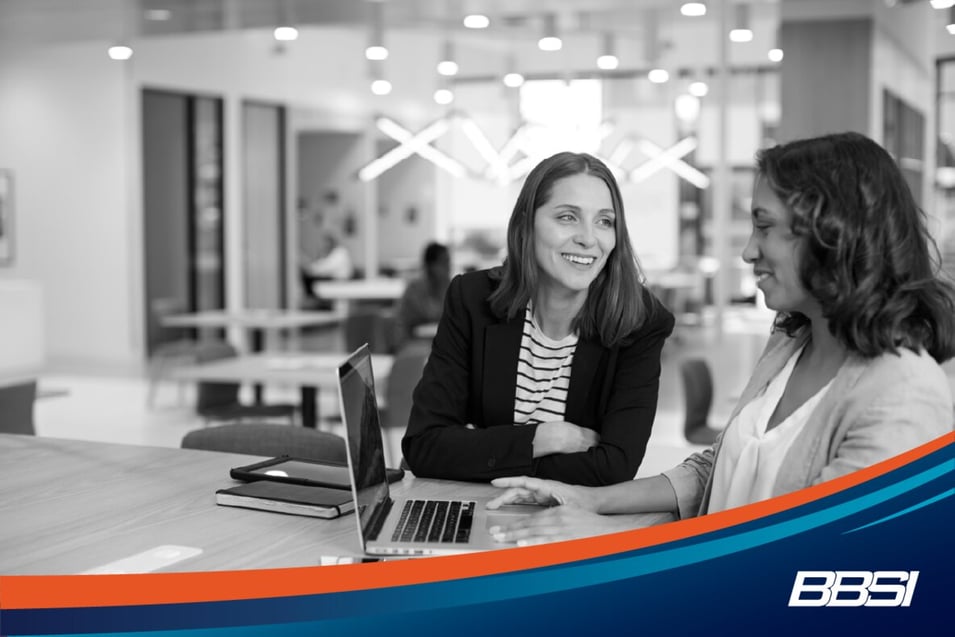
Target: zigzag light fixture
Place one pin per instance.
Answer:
(411, 144)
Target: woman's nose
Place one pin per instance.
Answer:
(584, 236)
(750, 250)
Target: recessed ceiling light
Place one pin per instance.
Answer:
(776, 55)
(376, 52)
(550, 43)
(693, 9)
(698, 89)
(448, 67)
(741, 35)
(285, 34)
(658, 76)
(608, 62)
(476, 21)
(513, 80)
(443, 96)
(381, 87)
(120, 52)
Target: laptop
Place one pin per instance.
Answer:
(410, 527)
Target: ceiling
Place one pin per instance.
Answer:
(72, 20)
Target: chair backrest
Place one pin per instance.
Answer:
(697, 392)
(372, 326)
(210, 395)
(404, 376)
(268, 440)
(16, 408)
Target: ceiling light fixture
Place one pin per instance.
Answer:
(943, 4)
(550, 41)
(741, 32)
(476, 21)
(411, 144)
(657, 74)
(120, 52)
(381, 87)
(698, 89)
(285, 34)
(447, 66)
(693, 9)
(608, 60)
(513, 80)
(443, 96)
(776, 55)
(376, 47)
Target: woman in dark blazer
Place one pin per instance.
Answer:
(570, 277)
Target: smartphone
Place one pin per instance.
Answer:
(303, 471)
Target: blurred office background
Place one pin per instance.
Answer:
(179, 154)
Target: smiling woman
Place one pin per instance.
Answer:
(548, 365)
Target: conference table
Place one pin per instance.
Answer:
(311, 371)
(71, 506)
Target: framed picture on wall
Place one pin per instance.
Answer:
(6, 217)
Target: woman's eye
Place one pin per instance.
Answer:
(606, 222)
(566, 217)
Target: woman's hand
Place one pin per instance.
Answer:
(552, 525)
(525, 490)
(562, 437)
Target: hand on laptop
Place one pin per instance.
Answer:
(525, 490)
(555, 524)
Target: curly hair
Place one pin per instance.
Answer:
(615, 305)
(868, 257)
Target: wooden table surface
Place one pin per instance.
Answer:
(72, 506)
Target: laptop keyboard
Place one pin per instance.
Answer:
(435, 521)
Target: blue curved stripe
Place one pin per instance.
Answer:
(907, 510)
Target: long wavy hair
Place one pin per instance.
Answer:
(867, 255)
(614, 307)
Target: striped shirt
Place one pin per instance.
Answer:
(543, 374)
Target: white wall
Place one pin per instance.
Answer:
(63, 129)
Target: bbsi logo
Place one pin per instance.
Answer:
(853, 588)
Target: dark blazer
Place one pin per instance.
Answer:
(471, 379)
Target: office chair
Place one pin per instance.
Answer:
(404, 376)
(219, 401)
(373, 326)
(261, 439)
(16, 408)
(698, 398)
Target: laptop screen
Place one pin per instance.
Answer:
(365, 449)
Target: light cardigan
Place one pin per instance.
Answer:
(875, 409)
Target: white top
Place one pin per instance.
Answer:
(750, 456)
(334, 265)
(543, 374)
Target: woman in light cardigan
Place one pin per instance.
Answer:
(851, 373)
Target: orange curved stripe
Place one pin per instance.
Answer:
(74, 591)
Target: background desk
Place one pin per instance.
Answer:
(343, 293)
(310, 371)
(71, 506)
(257, 321)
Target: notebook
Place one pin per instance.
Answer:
(414, 526)
(282, 497)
